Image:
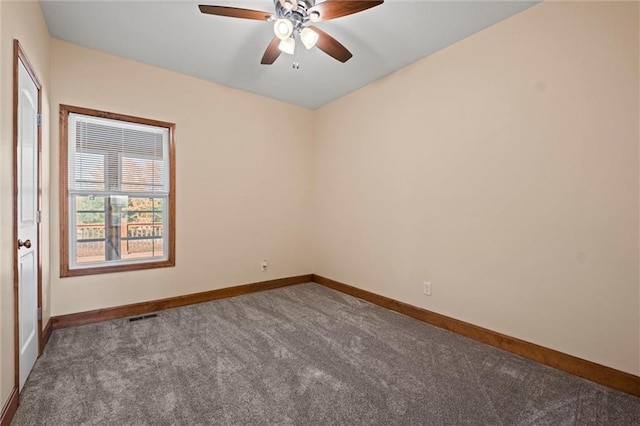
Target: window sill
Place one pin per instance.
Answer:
(66, 272)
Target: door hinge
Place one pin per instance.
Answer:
(38, 216)
(39, 314)
(39, 119)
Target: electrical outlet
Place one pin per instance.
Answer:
(427, 288)
(264, 265)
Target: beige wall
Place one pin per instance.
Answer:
(23, 21)
(504, 170)
(243, 179)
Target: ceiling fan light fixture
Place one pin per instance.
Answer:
(283, 28)
(309, 37)
(288, 45)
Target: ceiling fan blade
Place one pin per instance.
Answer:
(331, 9)
(331, 46)
(235, 12)
(272, 52)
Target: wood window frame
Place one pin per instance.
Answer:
(65, 270)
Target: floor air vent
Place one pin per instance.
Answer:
(143, 317)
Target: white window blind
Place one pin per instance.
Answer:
(111, 157)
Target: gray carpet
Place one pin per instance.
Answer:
(299, 355)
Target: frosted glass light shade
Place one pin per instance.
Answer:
(309, 37)
(288, 45)
(283, 28)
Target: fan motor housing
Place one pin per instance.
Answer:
(297, 16)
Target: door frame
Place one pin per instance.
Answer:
(20, 56)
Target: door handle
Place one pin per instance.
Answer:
(26, 244)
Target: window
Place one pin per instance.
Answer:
(117, 186)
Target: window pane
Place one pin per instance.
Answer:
(117, 156)
(88, 252)
(143, 221)
(142, 175)
(143, 247)
(90, 229)
(89, 171)
(118, 228)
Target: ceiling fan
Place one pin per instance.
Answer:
(295, 17)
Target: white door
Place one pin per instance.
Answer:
(27, 221)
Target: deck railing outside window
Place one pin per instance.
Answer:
(138, 239)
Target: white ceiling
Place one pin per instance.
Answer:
(176, 36)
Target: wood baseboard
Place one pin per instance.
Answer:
(601, 374)
(9, 409)
(46, 334)
(142, 308)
